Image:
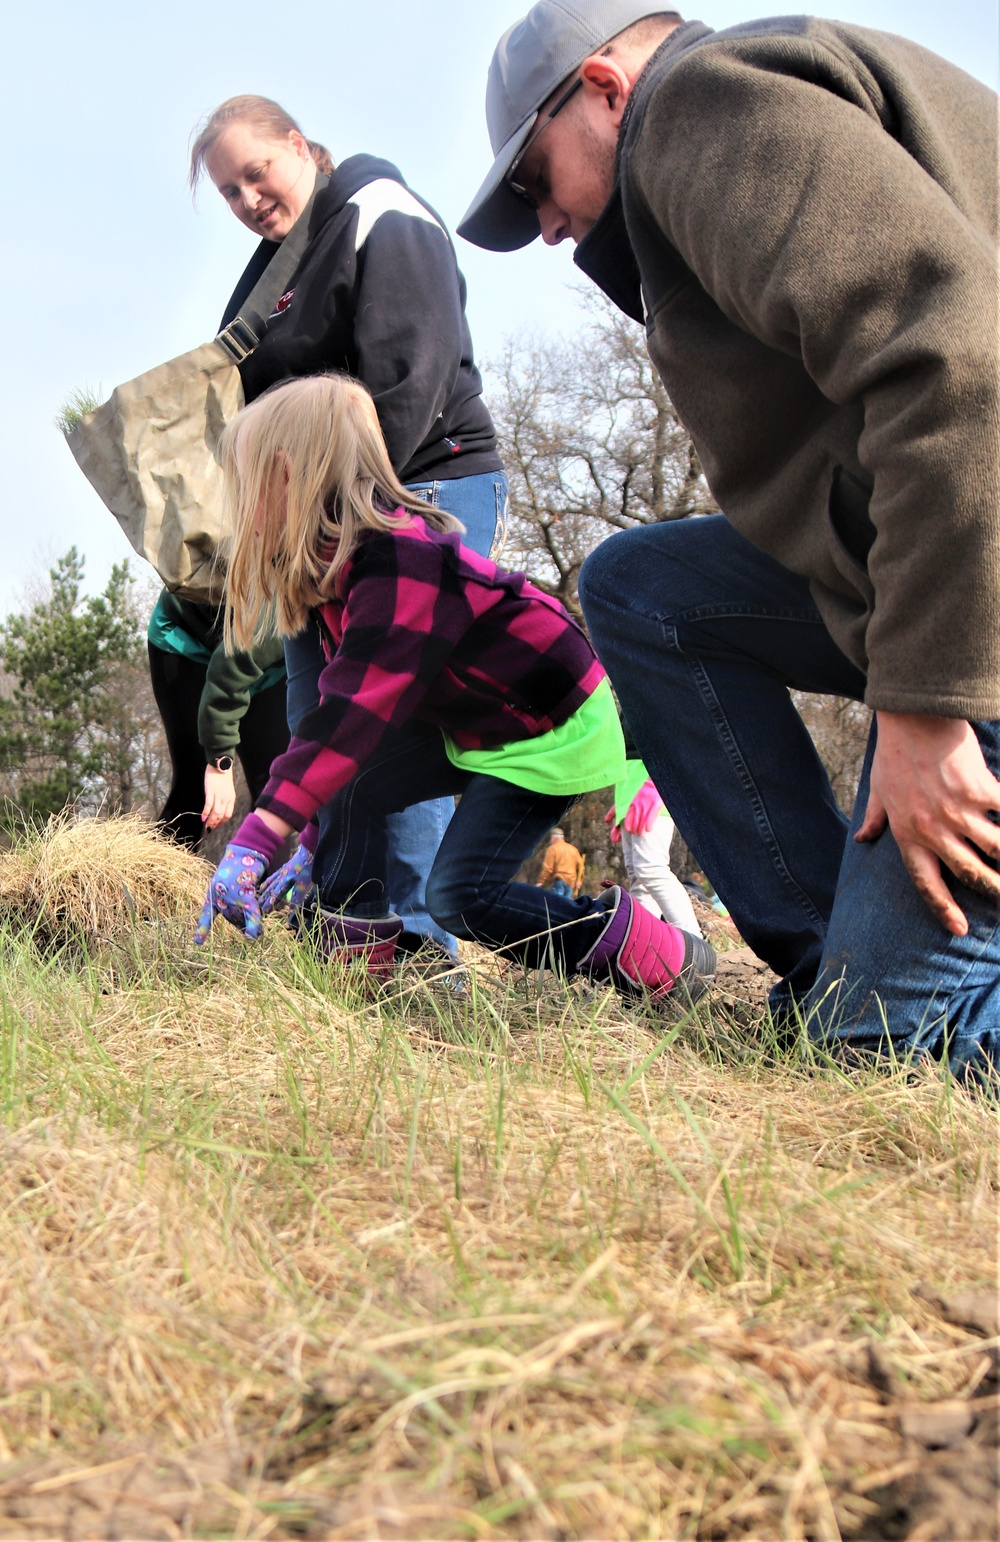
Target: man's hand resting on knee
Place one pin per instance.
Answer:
(933, 788)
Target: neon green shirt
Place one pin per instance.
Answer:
(635, 775)
(582, 755)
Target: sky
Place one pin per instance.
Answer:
(113, 268)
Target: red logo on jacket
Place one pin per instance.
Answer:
(283, 304)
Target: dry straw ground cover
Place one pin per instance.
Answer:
(278, 1260)
(94, 880)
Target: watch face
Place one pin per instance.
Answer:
(224, 763)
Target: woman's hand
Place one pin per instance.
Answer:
(220, 797)
(932, 787)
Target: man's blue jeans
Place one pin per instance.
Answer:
(703, 635)
(561, 887)
(480, 502)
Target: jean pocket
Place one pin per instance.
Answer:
(430, 492)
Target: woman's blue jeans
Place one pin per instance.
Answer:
(703, 635)
(415, 834)
(470, 890)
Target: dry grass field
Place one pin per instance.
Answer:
(278, 1259)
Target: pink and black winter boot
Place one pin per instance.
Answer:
(345, 939)
(641, 954)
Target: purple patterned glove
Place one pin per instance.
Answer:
(293, 880)
(290, 884)
(233, 893)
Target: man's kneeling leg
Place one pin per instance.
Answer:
(702, 635)
(893, 979)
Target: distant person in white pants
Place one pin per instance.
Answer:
(639, 819)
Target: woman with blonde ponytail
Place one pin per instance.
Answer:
(443, 675)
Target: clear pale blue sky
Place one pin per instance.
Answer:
(110, 269)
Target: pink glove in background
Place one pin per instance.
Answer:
(644, 810)
(614, 832)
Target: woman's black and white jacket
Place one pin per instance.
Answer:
(378, 295)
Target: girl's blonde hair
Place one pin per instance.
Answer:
(307, 471)
(269, 119)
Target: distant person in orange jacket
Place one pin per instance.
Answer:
(562, 870)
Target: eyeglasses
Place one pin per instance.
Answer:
(516, 187)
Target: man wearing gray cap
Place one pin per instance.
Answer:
(804, 214)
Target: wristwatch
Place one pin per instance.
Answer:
(223, 762)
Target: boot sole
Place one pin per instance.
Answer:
(698, 970)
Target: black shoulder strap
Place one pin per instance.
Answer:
(245, 331)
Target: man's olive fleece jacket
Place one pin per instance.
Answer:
(812, 208)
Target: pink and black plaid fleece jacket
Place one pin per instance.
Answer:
(423, 627)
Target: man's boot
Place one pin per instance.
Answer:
(642, 954)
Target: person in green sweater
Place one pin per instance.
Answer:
(215, 706)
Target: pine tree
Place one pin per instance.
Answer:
(67, 722)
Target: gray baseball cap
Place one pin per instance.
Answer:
(531, 60)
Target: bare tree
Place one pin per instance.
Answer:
(592, 444)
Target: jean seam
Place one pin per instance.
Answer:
(987, 942)
(430, 492)
(732, 612)
(729, 743)
(343, 836)
(501, 498)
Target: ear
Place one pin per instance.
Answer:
(299, 145)
(605, 77)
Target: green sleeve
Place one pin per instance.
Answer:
(229, 683)
(626, 789)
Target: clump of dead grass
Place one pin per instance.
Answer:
(93, 880)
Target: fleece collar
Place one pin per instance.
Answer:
(605, 253)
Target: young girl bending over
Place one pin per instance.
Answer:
(512, 708)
